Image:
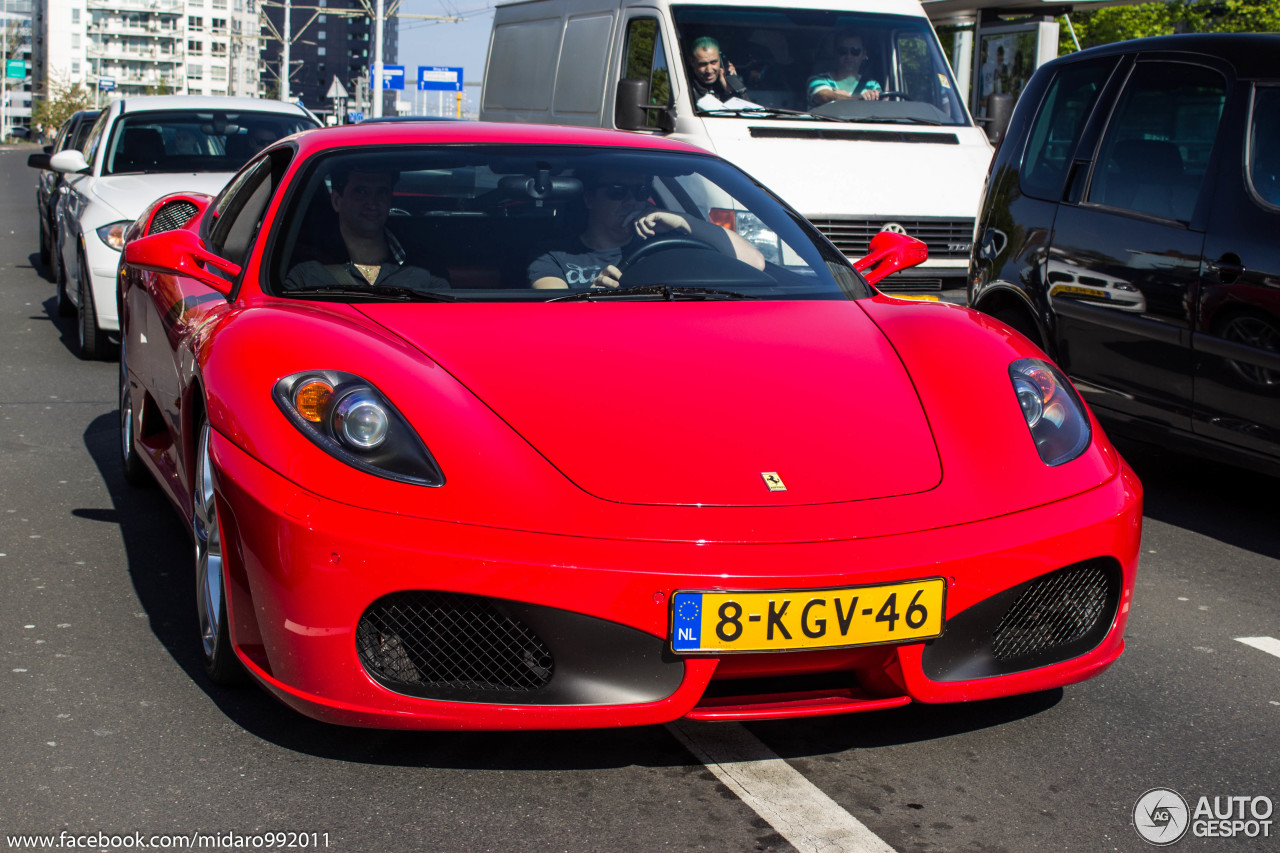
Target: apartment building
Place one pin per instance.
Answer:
(136, 47)
(15, 24)
(330, 38)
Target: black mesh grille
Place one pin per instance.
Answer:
(946, 238)
(1054, 611)
(172, 216)
(446, 640)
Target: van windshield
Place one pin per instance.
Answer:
(746, 61)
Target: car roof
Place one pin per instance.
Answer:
(151, 103)
(1254, 55)
(480, 133)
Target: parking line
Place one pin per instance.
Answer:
(810, 820)
(1270, 645)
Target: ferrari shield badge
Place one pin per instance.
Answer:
(773, 481)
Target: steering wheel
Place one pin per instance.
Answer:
(894, 96)
(661, 243)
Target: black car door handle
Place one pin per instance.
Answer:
(1227, 268)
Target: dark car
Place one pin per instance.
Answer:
(71, 135)
(1131, 228)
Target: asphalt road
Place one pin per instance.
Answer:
(107, 723)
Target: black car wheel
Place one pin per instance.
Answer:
(93, 341)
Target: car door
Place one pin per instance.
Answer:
(1237, 337)
(1124, 260)
(72, 195)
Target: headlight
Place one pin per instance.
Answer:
(350, 419)
(1053, 412)
(113, 234)
(755, 232)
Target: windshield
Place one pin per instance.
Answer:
(856, 67)
(195, 141)
(503, 223)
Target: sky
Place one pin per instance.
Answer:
(463, 45)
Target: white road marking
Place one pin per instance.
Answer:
(810, 820)
(1270, 645)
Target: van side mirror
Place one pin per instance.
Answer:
(631, 107)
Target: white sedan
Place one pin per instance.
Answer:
(140, 149)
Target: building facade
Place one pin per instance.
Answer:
(330, 38)
(15, 23)
(135, 47)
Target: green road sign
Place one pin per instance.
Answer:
(15, 69)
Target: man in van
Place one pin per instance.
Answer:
(709, 74)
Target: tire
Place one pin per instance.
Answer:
(66, 308)
(135, 471)
(1019, 321)
(46, 255)
(220, 661)
(93, 341)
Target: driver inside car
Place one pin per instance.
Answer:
(619, 220)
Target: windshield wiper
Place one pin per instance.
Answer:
(383, 291)
(662, 291)
(768, 112)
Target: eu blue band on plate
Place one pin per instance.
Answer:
(686, 622)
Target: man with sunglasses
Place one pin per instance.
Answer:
(847, 81)
(619, 218)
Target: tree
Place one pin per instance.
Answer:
(1118, 23)
(58, 102)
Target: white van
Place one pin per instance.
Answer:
(912, 160)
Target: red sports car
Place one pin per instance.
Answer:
(480, 426)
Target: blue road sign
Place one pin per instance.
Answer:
(392, 77)
(106, 84)
(437, 78)
(355, 116)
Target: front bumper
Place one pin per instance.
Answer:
(304, 572)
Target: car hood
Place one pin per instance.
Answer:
(897, 184)
(129, 195)
(692, 403)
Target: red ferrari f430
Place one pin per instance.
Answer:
(489, 427)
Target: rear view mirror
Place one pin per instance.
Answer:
(182, 253)
(889, 253)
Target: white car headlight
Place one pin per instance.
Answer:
(113, 234)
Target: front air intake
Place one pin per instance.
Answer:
(1054, 611)
(416, 642)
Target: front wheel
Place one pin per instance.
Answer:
(93, 341)
(220, 660)
(135, 472)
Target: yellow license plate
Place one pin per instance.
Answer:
(785, 620)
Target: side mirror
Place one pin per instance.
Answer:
(69, 160)
(48, 149)
(889, 253)
(182, 253)
(38, 161)
(631, 107)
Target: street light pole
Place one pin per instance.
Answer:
(377, 61)
(284, 50)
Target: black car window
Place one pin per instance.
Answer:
(81, 130)
(1156, 149)
(1264, 144)
(241, 206)
(1057, 128)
